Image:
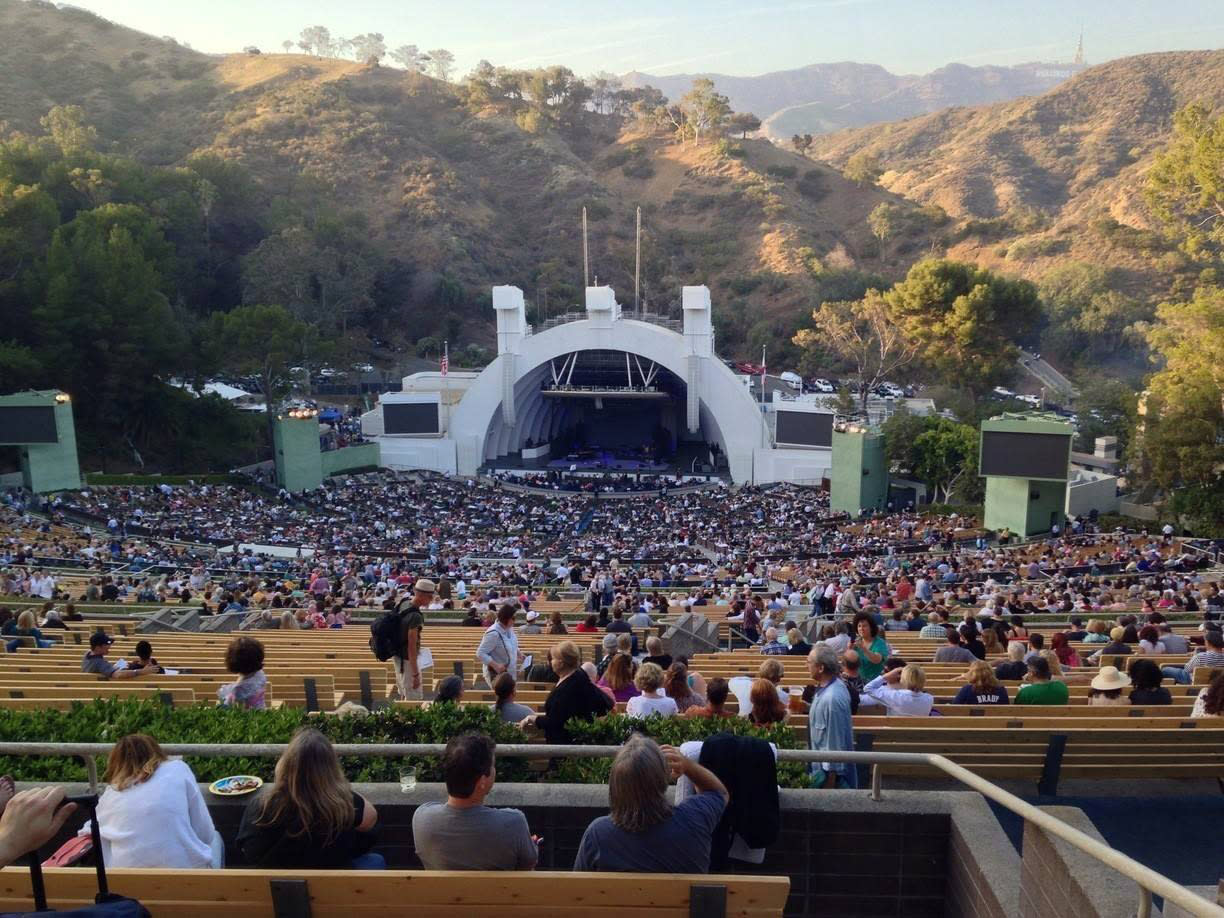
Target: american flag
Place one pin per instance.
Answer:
(446, 360)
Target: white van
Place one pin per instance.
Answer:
(793, 380)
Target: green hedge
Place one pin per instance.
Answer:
(107, 720)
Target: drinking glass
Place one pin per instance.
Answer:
(408, 776)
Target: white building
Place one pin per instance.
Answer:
(607, 378)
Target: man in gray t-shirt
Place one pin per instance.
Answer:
(463, 833)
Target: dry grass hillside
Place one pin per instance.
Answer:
(1056, 177)
(453, 192)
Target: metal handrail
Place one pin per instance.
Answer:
(1149, 881)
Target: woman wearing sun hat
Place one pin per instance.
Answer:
(1107, 686)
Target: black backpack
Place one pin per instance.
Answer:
(386, 634)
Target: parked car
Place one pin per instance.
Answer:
(792, 380)
(890, 390)
(364, 367)
(752, 369)
(1003, 392)
(820, 384)
(329, 373)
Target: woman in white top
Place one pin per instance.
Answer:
(152, 814)
(900, 691)
(649, 680)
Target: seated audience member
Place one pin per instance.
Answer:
(463, 833)
(716, 700)
(644, 833)
(796, 645)
(655, 654)
(676, 683)
(954, 651)
(450, 690)
(618, 677)
(767, 708)
(574, 696)
(311, 819)
(1210, 701)
(982, 687)
(472, 619)
(900, 691)
(1064, 651)
(152, 813)
(771, 645)
(506, 707)
(27, 626)
(1106, 687)
(589, 668)
(649, 680)
(590, 625)
(30, 819)
(1149, 641)
(1013, 669)
(1039, 688)
(144, 657)
(1211, 655)
(1148, 690)
(1116, 647)
(1097, 632)
(245, 657)
(95, 660)
(556, 624)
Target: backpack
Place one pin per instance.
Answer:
(386, 635)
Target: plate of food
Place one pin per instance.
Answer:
(236, 785)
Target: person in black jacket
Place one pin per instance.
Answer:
(574, 696)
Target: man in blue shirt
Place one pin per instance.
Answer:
(830, 724)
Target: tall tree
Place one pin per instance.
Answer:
(287, 44)
(264, 342)
(369, 46)
(409, 57)
(802, 143)
(69, 130)
(705, 110)
(863, 333)
(1185, 186)
(863, 169)
(743, 123)
(441, 64)
(604, 87)
(316, 40)
(965, 320)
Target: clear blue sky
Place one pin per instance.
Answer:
(724, 36)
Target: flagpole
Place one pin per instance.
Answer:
(446, 381)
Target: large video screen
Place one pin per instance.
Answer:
(410, 418)
(804, 428)
(1025, 455)
(27, 424)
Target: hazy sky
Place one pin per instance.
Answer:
(906, 36)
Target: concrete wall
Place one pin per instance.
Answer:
(1088, 491)
(362, 455)
(1060, 881)
(1010, 504)
(47, 467)
(803, 465)
(436, 455)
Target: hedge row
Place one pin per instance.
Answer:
(107, 720)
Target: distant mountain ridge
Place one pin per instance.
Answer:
(822, 98)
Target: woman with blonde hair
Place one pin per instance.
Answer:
(27, 626)
(311, 819)
(900, 691)
(152, 813)
(574, 696)
(982, 687)
(1098, 633)
(649, 680)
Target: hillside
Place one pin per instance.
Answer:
(821, 98)
(1041, 181)
(456, 193)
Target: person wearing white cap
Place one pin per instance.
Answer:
(532, 626)
(1107, 687)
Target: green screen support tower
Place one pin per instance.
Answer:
(299, 458)
(859, 480)
(1031, 459)
(41, 423)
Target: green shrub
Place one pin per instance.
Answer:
(784, 172)
(812, 185)
(616, 158)
(108, 720)
(640, 169)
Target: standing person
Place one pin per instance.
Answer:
(499, 648)
(574, 696)
(412, 623)
(152, 813)
(245, 657)
(830, 724)
(871, 648)
(643, 832)
(311, 819)
(463, 833)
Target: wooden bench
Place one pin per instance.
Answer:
(350, 893)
